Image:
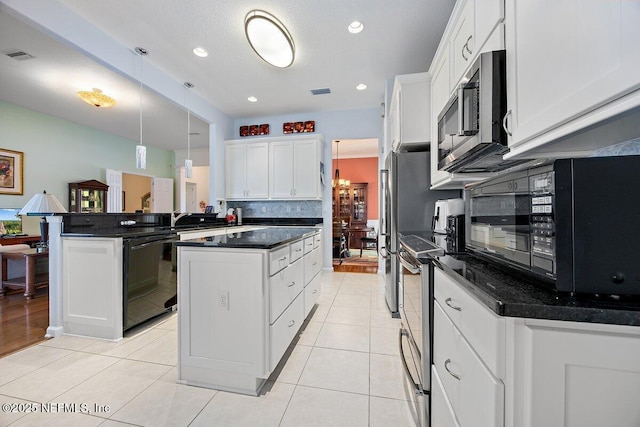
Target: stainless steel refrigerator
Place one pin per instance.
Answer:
(406, 206)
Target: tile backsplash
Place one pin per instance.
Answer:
(279, 208)
(628, 148)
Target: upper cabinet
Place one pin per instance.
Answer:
(475, 26)
(274, 168)
(409, 110)
(294, 171)
(247, 170)
(571, 65)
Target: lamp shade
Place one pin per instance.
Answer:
(42, 204)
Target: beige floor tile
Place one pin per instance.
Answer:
(390, 412)
(326, 298)
(385, 341)
(127, 345)
(61, 419)
(310, 333)
(69, 342)
(386, 377)
(115, 386)
(113, 423)
(344, 337)
(355, 289)
(349, 316)
(320, 314)
(28, 360)
(352, 300)
(291, 369)
(165, 404)
(54, 379)
(170, 324)
(237, 410)
(312, 407)
(337, 370)
(164, 350)
(383, 319)
(19, 409)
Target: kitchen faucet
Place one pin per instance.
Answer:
(174, 218)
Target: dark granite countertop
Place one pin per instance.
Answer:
(266, 238)
(509, 293)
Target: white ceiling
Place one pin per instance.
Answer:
(398, 38)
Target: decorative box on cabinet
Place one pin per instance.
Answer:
(581, 72)
(88, 196)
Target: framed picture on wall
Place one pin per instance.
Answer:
(11, 172)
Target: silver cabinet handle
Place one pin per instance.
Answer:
(446, 367)
(505, 123)
(292, 284)
(282, 259)
(466, 45)
(293, 322)
(462, 52)
(455, 307)
(315, 291)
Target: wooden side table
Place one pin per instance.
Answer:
(31, 280)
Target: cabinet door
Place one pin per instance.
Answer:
(306, 170)
(442, 414)
(281, 171)
(257, 171)
(566, 58)
(462, 42)
(235, 171)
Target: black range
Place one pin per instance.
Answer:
(508, 293)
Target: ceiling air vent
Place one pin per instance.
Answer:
(18, 55)
(322, 91)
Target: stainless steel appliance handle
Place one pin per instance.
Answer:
(455, 307)
(446, 367)
(417, 389)
(384, 176)
(385, 253)
(461, 108)
(413, 269)
(153, 242)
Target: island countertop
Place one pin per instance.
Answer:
(264, 238)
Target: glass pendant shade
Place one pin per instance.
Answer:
(141, 157)
(141, 150)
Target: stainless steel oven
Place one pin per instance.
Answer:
(416, 334)
(149, 278)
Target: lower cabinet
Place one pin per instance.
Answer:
(239, 310)
(442, 413)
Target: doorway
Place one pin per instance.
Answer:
(191, 195)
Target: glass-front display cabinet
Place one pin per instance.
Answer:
(88, 196)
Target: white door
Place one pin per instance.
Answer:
(114, 198)
(162, 195)
(191, 197)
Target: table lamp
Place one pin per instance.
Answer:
(43, 204)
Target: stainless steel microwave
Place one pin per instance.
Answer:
(471, 137)
(574, 222)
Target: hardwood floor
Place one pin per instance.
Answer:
(23, 322)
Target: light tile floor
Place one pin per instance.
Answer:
(344, 370)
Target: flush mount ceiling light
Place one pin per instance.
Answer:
(252, 99)
(361, 86)
(269, 38)
(96, 98)
(201, 52)
(355, 27)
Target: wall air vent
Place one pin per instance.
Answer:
(322, 91)
(17, 54)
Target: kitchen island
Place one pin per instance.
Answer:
(242, 297)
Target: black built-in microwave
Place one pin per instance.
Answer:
(573, 222)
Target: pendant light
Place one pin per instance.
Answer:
(337, 174)
(141, 150)
(188, 163)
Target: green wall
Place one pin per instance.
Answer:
(57, 152)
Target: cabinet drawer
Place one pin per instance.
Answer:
(475, 394)
(284, 287)
(311, 294)
(484, 330)
(278, 259)
(312, 265)
(442, 413)
(308, 244)
(296, 249)
(284, 330)
(317, 240)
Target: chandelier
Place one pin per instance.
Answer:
(337, 180)
(96, 98)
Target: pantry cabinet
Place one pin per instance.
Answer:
(570, 65)
(246, 170)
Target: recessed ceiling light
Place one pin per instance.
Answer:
(355, 27)
(201, 52)
(252, 99)
(269, 38)
(361, 86)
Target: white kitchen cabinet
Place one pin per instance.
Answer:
(575, 374)
(442, 413)
(409, 110)
(294, 171)
(247, 170)
(571, 65)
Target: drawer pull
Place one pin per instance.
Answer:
(299, 250)
(282, 259)
(446, 366)
(292, 284)
(455, 307)
(315, 262)
(293, 322)
(315, 291)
